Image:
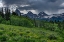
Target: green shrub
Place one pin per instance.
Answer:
(26, 40)
(1, 28)
(1, 19)
(44, 41)
(18, 21)
(8, 22)
(3, 38)
(50, 26)
(12, 34)
(1, 32)
(52, 37)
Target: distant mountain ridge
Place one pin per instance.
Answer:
(43, 16)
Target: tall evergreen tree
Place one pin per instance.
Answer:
(2, 14)
(7, 14)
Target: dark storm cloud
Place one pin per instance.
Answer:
(40, 5)
(9, 2)
(52, 0)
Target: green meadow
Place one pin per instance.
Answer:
(10, 33)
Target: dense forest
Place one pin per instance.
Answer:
(14, 28)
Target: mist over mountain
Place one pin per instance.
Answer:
(42, 16)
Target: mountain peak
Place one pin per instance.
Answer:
(18, 11)
(42, 13)
(30, 13)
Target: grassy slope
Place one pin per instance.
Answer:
(17, 33)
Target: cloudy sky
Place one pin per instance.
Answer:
(36, 6)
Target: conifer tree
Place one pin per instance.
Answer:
(2, 14)
(7, 14)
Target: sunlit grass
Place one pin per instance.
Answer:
(11, 33)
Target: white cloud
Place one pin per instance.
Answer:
(1, 4)
(61, 11)
(26, 11)
(24, 5)
(34, 11)
(62, 5)
(48, 12)
(13, 7)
